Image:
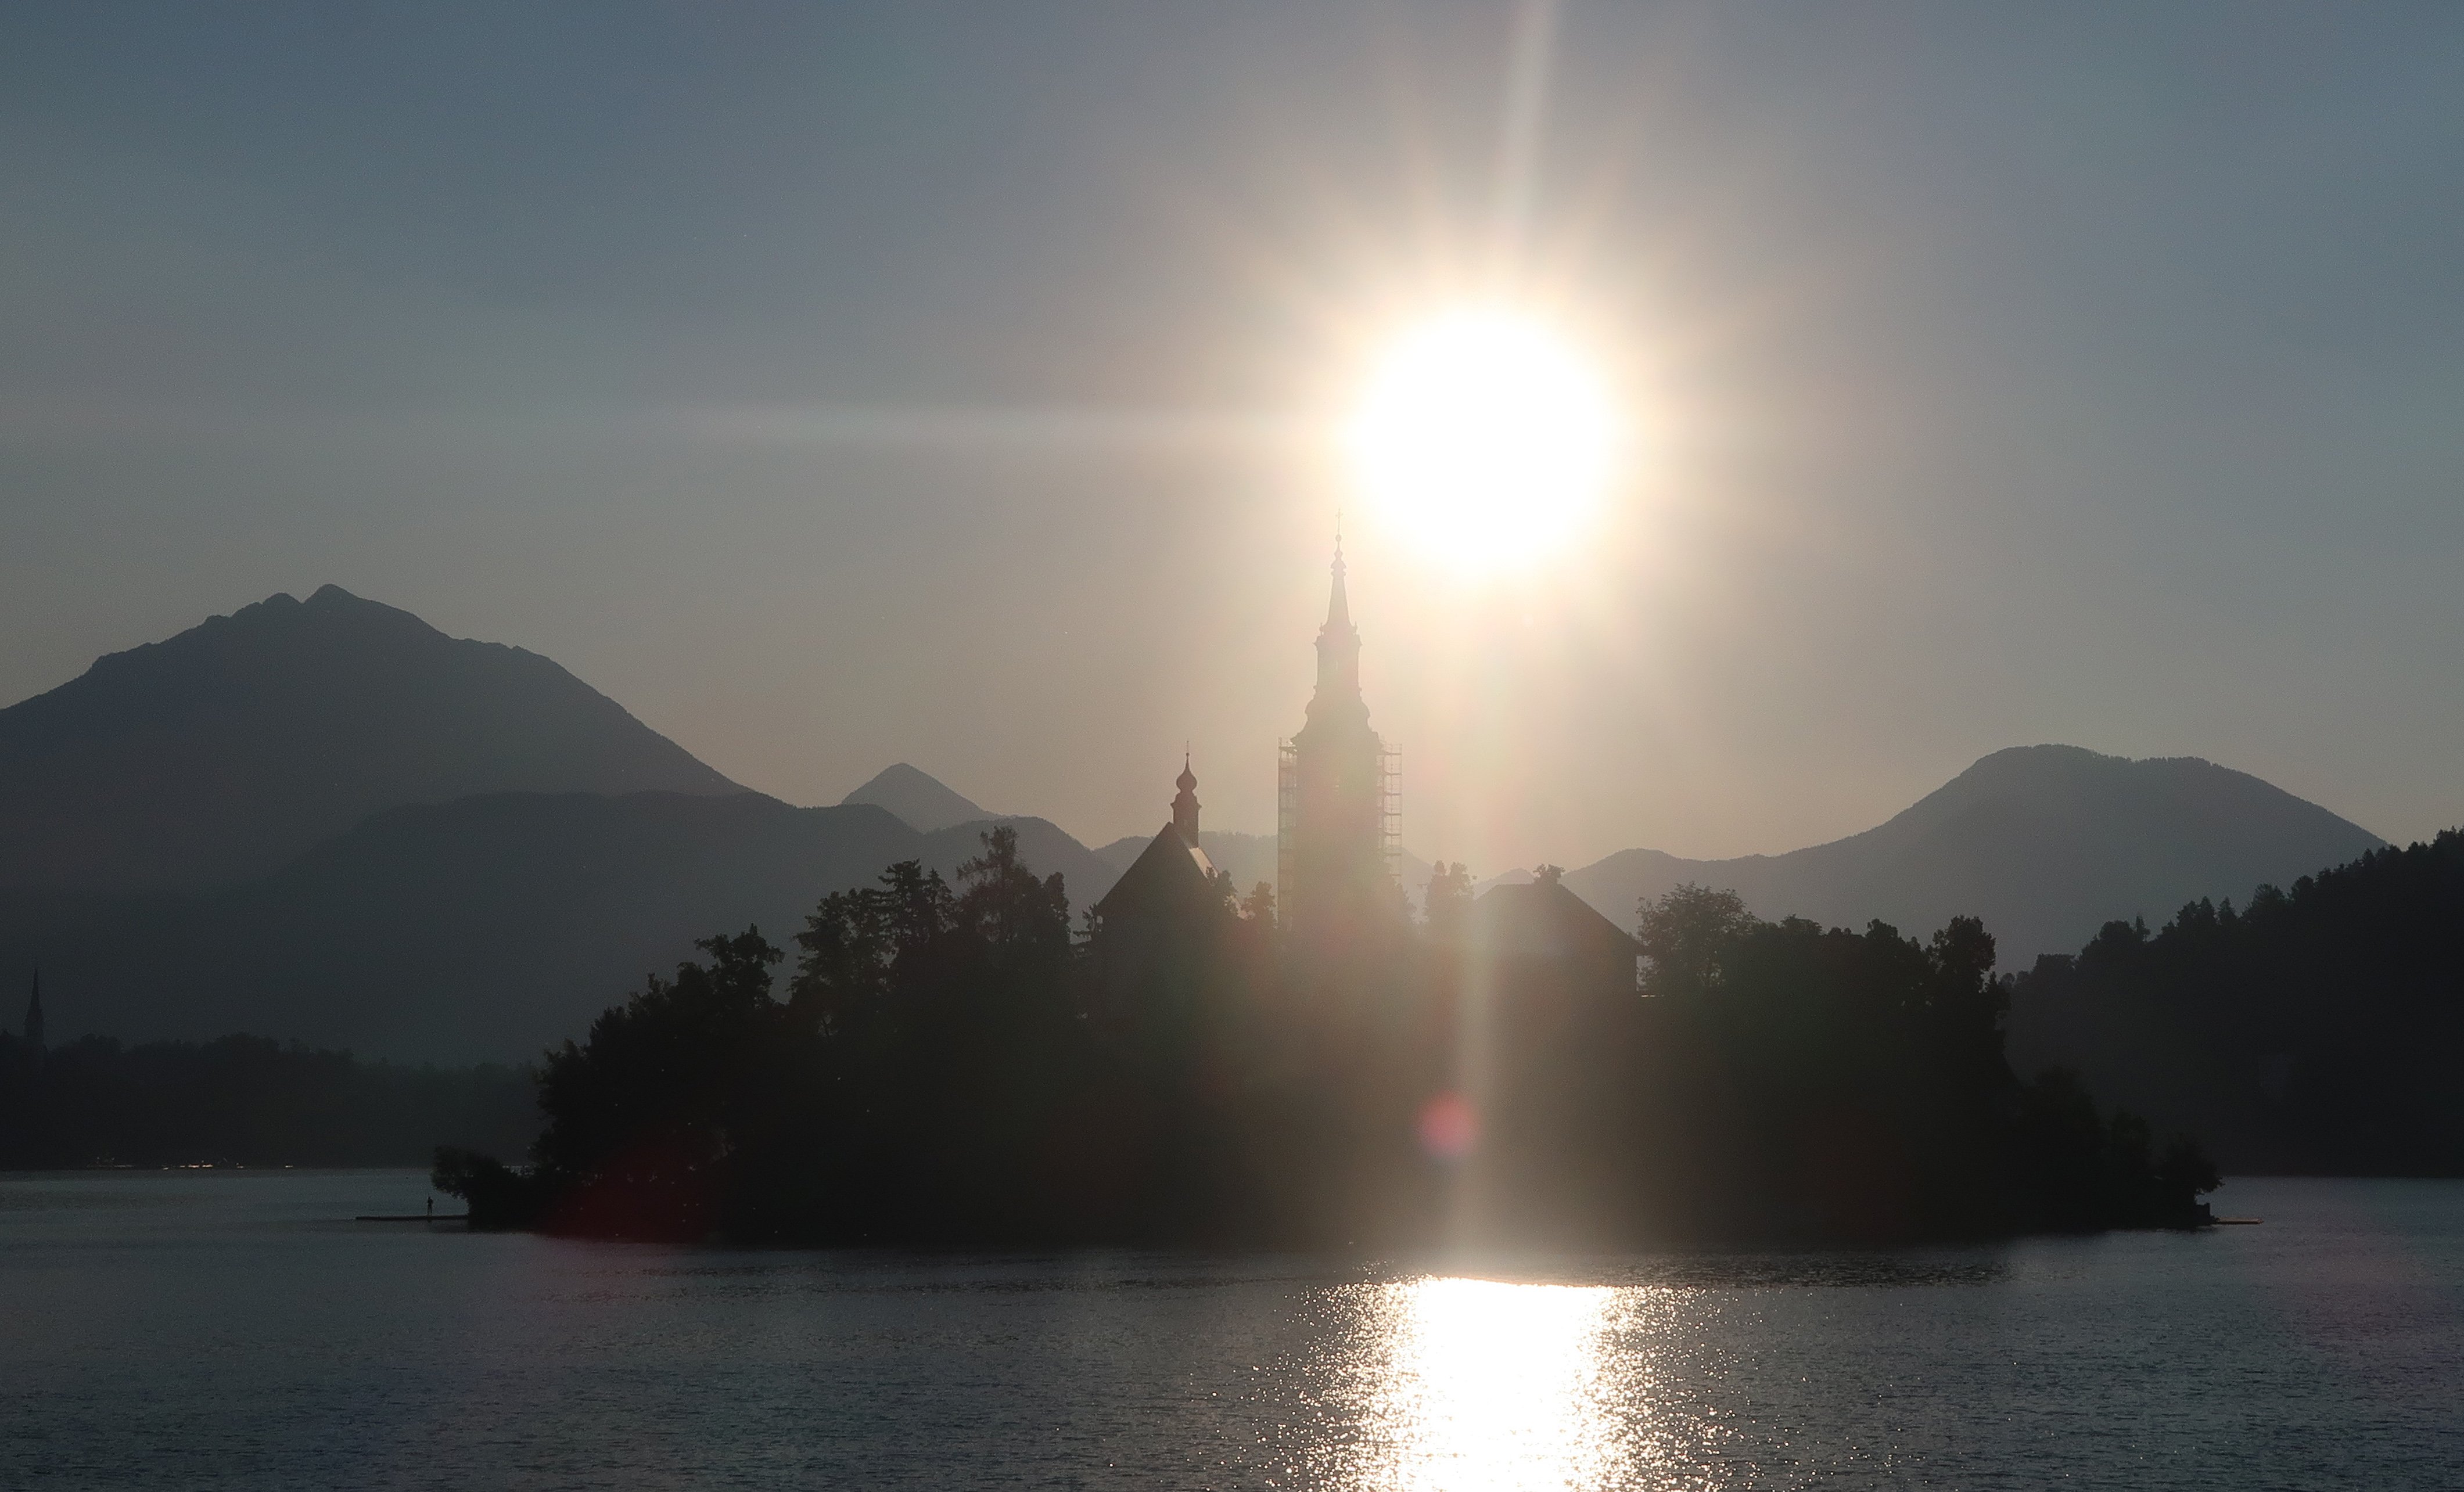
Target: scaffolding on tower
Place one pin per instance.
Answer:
(1288, 807)
(1390, 811)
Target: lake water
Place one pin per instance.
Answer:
(210, 1330)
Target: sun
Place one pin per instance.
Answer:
(1485, 438)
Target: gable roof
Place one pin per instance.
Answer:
(1542, 919)
(1171, 872)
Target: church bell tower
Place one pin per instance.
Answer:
(1335, 799)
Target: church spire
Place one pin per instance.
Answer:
(34, 1017)
(1339, 651)
(1184, 806)
(1338, 607)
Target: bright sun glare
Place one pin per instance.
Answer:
(1485, 438)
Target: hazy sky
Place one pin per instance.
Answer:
(839, 384)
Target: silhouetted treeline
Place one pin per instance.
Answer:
(1800, 1081)
(932, 1075)
(947, 1064)
(245, 1100)
(2317, 1030)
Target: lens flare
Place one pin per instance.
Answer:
(1485, 438)
(1449, 1126)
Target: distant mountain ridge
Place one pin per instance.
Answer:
(327, 821)
(2047, 843)
(493, 925)
(230, 749)
(479, 930)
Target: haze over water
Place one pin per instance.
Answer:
(231, 1329)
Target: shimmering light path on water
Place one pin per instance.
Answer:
(232, 1330)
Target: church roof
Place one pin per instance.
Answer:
(1171, 872)
(1542, 919)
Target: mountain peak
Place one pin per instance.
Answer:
(331, 599)
(919, 799)
(280, 620)
(2049, 753)
(219, 753)
(2052, 778)
(2045, 843)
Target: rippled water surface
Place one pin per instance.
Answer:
(235, 1329)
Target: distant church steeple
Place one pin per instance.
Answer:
(1184, 805)
(1334, 787)
(1337, 697)
(1338, 606)
(34, 1017)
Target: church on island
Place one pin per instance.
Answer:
(1337, 853)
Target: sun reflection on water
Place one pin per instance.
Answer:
(1468, 1384)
